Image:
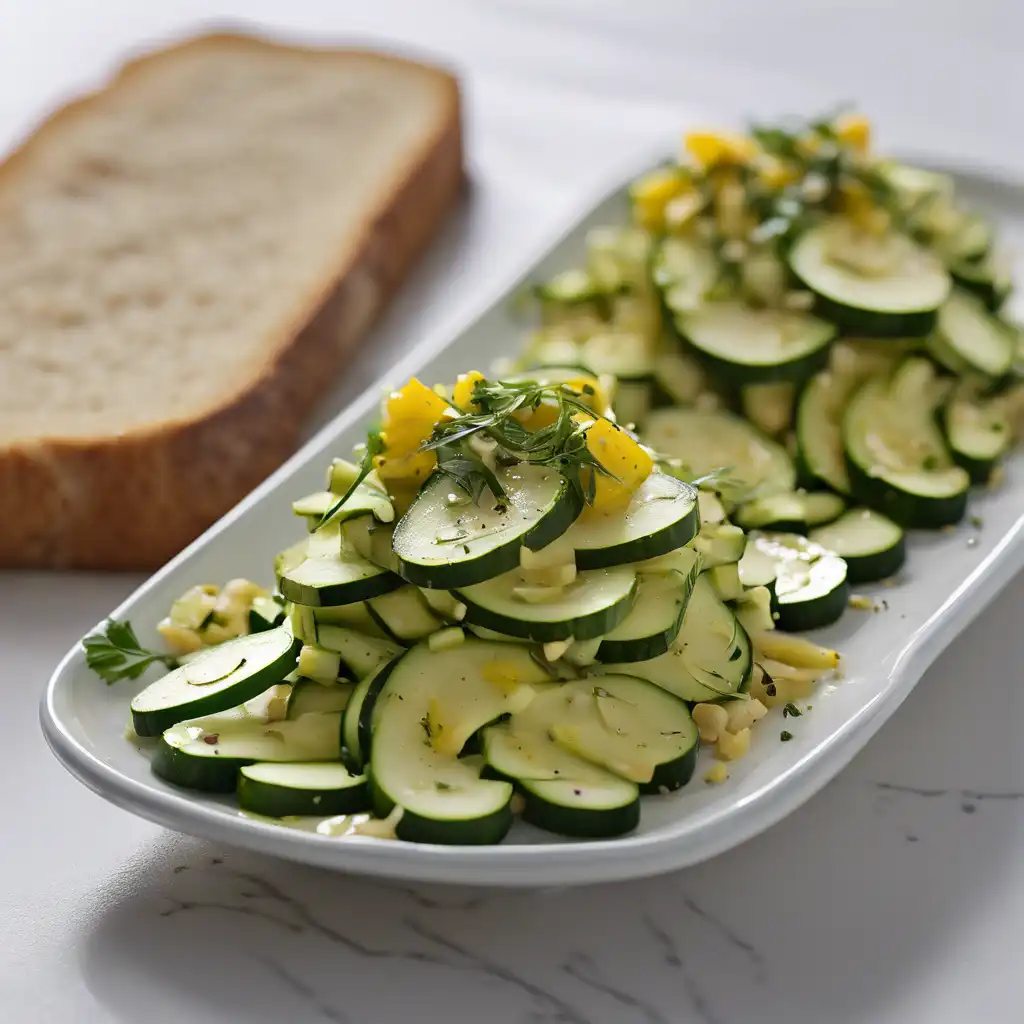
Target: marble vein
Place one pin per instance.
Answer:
(672, 958)
(582, 967)
(303, 991)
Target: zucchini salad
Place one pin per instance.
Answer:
(539, 589)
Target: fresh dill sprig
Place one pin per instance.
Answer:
(115, 653)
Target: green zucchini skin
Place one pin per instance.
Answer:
(276, 801)
(871, 324)
(486, 830)
(581, 823)
(207, 775)
(801, 616)
(910, 510)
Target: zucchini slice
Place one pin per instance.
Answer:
(326, 570)
(654, 621)
(208, 753)
(366, 499)
(968, 339)
(819, 432)
(277, 790)
(873, 547)
(561, 792)
(790, 513)
(661, 516)
(446, 542)
(711, 657)
(310, 697)
(628, 726)
(594, 603)
(704, 441)
(977, 432)
(988, 279)
(432, 702)
(719, 544)
(216, 679)
(743, 345)
(878, 286)
(356, 724)
(403, 615)
(811, 588)
(895, 454)
(683, 274)
(361, 655)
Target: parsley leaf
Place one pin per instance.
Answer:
(374, 447)
(115, 653)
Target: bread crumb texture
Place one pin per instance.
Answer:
(166, 246)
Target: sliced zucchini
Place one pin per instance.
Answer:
(711, 657)
(769, 406)
(705, 441)
(819, 432)
(404, 615)
(445, 542)
(208, 753)
(315, 788)
(653, 623)
(872, 546)
(331, 572)
(743, 345)
(356, 723)
(431, 703)
(821, 507)
(969, 339)
(895, 455)
(684, 272)
(661, 516)
(811, 588)
(719, 544)
(875, 285)
(988, 279)
(678, 379)
(726, 581)
(265, 613)
(790, 513)
(978, 433)
(310, 697)
(561, 792)
(354, 616)
(361, 655)
(594, 603)
(216, 679)
(782, 512)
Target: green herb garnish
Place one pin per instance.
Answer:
(115, 653)
(785, 736)
(791, 711)
(562, 444)
(374, 446)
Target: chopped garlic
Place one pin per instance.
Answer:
(794, 650)
(742, 714)
(716, 773)
(861, 602)
(711, 721)
(554, 650)
(732, 746)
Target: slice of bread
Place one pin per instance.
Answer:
(185, 259)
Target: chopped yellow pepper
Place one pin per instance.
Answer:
(775, 173)
(462, 395)
(653, 192)
(409, 418)
(857, 204)
(716, 149)
(587, 389)
(629, 464)
(854, 130)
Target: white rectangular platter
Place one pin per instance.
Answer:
(949, 578)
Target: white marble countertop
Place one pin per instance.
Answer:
(895, 896)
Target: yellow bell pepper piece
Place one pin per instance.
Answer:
(629, 464)
(462, 395)
(854, 130)
(409, 418)
(715, 149)
(653, 192)
(775, 173)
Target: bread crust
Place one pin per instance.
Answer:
(133, 501)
